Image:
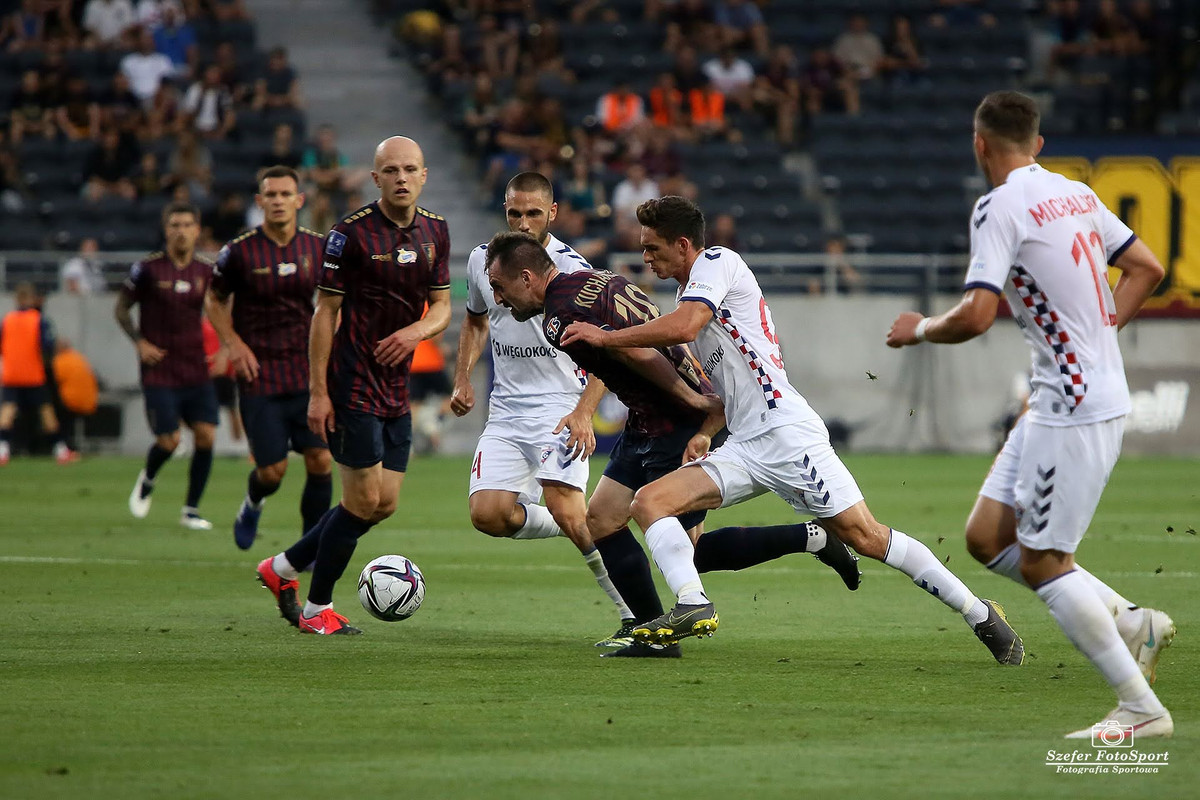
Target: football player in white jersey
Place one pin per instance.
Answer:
(777, 443)
(539, 433)
(1045, 242)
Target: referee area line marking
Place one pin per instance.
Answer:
(179, 562)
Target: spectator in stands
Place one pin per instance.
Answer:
(903, 59)
(551, 121)
(827, 85)
(25, 28)
(846, 278)
(544, 51)
(232, 73)
(706, 110)
(687, 71)
(148, 180)
(77, 391)
(190, 164)
(14, 195)
(54, 73)
(107, 21)
(582, 192)
(175, 38)
(164, 117)
(620, 110)
(31, 114)
(152, 13)
(283, 149)
(630, 193)
(859, 49)
(78, 115)
(324, 166)
(666, 104)
(146, 68)
(777, 93)
(119, 107)
(228, 10)
(500, 49)
(318, 213)
(209, 105)
(106, 171)
(731, 76)
(660, 157)
(1069, 29)
(688, 23)
(740, 23)
(571, 225)
(1111, 30)
(723, 233)
(230, 217)
(83, 273)
(480, 109)
(278, 87)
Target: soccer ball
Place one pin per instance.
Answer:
(391, 588)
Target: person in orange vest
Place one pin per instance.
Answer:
(26, 340)
(666, 103)
(621, 109)
(78, 391)
(707, 107)
(429, 390)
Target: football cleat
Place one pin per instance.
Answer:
(245, 525)
(838, 557)
(999, 636)
(639, 650)
(1155, 635)
(139, 498)
(622, 638)
(1120, 722)
(680, 622)
(284, 590)
(190, 518)
(64, 454)
(5, 453)
(328, 623)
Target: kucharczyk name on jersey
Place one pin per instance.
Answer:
(739, 347)
(1045, 241)
(531, 378)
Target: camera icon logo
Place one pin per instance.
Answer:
(1111, 733)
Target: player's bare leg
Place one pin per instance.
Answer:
(656, 508)
(139, 499)
(1086, 622)
(203, 435)
(857, 527)
(499, 513)
(992, 541)
(8, 415)
(52, 429)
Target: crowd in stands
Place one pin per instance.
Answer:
(112, 108)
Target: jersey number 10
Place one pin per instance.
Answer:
(1081, 249)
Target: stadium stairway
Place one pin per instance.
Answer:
(348, 80)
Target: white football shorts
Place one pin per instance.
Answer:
(515, 458)
(794, 461)
(1052, 477)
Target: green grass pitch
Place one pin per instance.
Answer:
(138, 659)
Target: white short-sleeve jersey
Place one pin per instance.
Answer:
(531, 378)
(738, 347)
(1046, 242)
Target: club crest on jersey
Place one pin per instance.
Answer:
(182, 287)
(553, 325)
(335, 243)
(430, 251)
(286, 268)
(406, 256)
(546, 453)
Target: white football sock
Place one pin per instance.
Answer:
(1008, 564)
(539, 523)
(596, 564)
(674, 554)
(283, 568)
(1090, 627)
(312, 609)
(919, 563)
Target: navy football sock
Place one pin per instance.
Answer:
(257, 490)
(739, 548)
(304, 552)
(198, 473)
(629, 570)
(154, 460)
(318, 494)
(342, 531)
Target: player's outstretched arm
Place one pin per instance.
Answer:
(394, 348)
(220, 314)
(320, 344)
(658, 370)
(472, 338)
(973, 315)
(681, 326)
(582, 441)
(1141, 273)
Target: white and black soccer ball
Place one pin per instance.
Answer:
(391, 588)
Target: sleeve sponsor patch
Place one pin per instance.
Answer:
(335, 243)
(704, 287)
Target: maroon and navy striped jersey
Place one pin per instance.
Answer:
(273, 290)
(609, 301)
(385, 273)
(170, 302)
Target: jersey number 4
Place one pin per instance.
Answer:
(769, 331)
(1082, 249)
